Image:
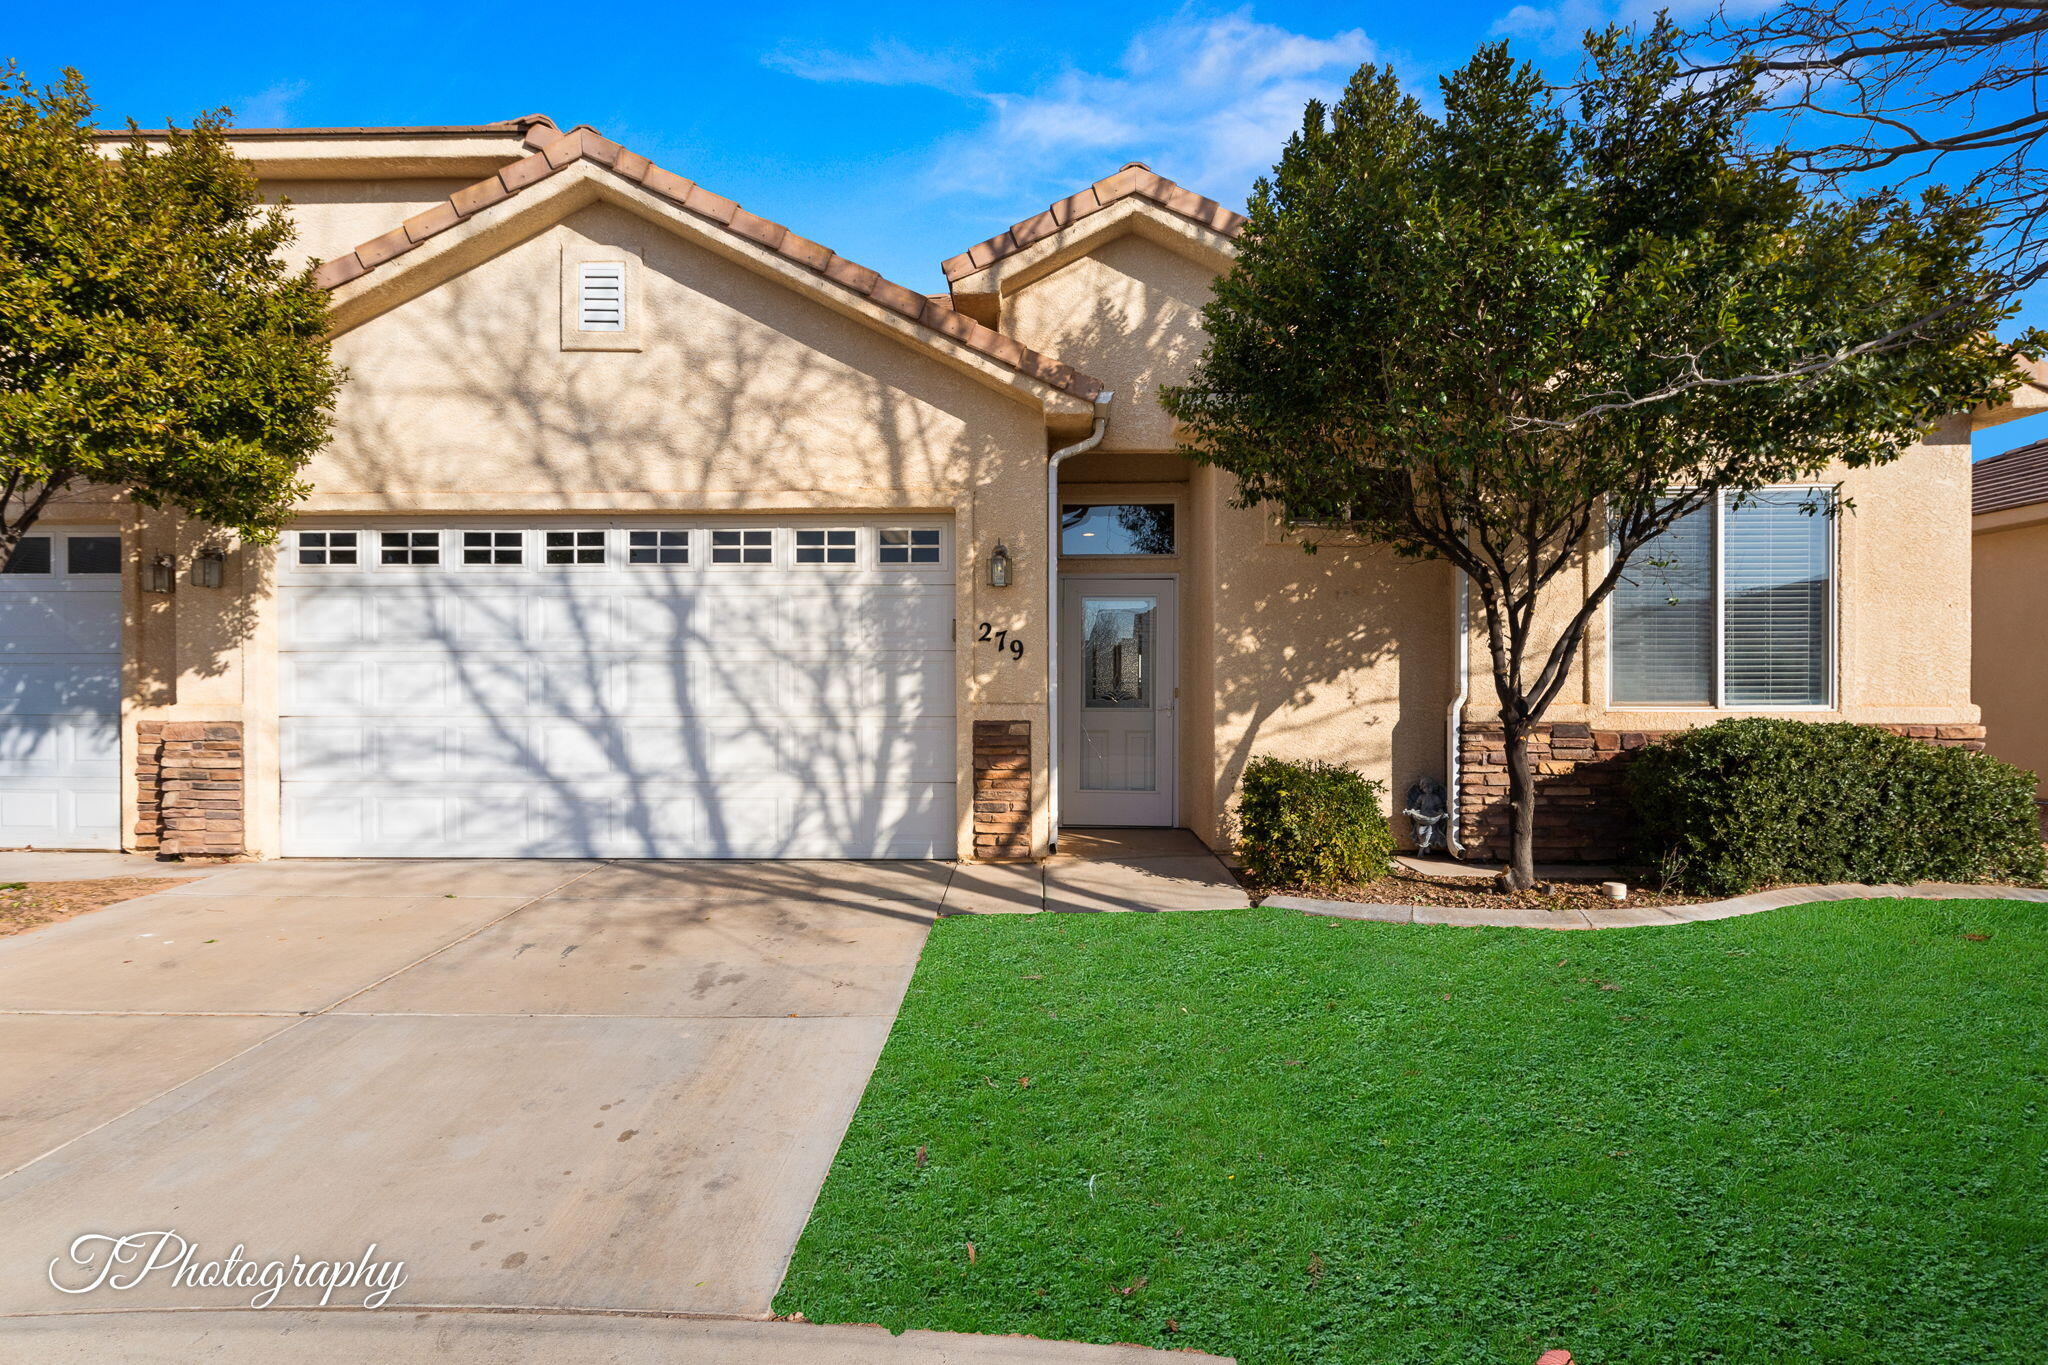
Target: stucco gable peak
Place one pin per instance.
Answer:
(1134, 180)
(555, 150)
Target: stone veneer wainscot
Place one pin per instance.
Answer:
(188, 777)
(1582, 812)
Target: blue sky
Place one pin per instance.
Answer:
(895, 133)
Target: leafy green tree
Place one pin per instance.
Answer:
(152, 339)
(1502, 336)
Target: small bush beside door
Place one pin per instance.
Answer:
(1311, 824)
(1746, 803)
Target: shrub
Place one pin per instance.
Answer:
(1311, 824)
(1746, 803)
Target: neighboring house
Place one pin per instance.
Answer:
(651, 528)
(2009, 571)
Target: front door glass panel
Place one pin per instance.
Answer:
(1119, 749)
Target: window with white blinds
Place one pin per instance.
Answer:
(1663, 619)
(1730, 607)
(601, 296)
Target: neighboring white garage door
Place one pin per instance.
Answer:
(60, 692)
(639, 689)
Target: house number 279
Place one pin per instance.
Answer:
(1001, 640)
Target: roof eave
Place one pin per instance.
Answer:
(436, 242)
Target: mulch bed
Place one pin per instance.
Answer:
(30, 905)
(1403, 887)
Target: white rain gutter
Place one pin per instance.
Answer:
(1454, 716)
(1052, 612)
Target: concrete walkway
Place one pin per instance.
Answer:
(1102, 870)
(550, 1086)
(454, 1338)
(1626, 916)
(38, 866)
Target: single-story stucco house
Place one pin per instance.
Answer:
(652, 528)
(2009, 567)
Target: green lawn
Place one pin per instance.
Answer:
(1816, 1134)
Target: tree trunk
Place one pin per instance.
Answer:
(1521, 808)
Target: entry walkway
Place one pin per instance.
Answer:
(1101, 870)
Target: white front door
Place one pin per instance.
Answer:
(642, 688)
(60, 691)
(1117, 736)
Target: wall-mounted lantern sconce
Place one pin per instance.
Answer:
(999, 567)
(160, 575)
(206, 567)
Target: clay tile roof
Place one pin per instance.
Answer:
(506, 126)
(1135, 179)
(555, 150)
(2014, 479)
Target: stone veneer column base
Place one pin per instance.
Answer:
(1582, 815)
(188, 778)
(1002, 789)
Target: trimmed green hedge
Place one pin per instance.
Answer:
(1311, 824)
(1740, 804)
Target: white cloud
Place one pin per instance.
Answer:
(269, 108)
(1207, 100)
(886, 62)
(1556, 28)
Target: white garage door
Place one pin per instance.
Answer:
(647, 689)
(60, 691)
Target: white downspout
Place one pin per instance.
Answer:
(1454, 717)
(1052, 613)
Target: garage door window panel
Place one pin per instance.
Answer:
(569, 548)
(410, 547)
(92, 555)
(743, 547)
(495, 548)
(909, 545)
(657, 547)
(834, 546)
(324, 549)
(31, 556)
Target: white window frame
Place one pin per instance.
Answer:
(440, 548)
(859, 560)
(1718, 684)
(60, 538)
(778, 553)
(690, 546)
(462, 547)
(362, 546)
(910, 565)
(606, 560)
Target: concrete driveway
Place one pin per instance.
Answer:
(539, 1084)
(543, 1086)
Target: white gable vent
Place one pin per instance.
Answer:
(601, 296)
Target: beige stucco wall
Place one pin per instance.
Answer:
(744, 394)
(1127, 313)
(2010, 673)
(337, 216)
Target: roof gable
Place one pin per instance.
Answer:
(555, 152)
(1135, 181)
